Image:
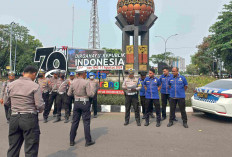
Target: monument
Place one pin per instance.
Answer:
(135, 18)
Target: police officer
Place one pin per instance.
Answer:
(3, 96)
(62, 98)
(44, 86)
(178, 85)
(142, 92)
(165, 90)
(131, 87)
(53, 86)
(152, 86)
(93, 100)
(26, 102)
(82, 90)
(71, 98)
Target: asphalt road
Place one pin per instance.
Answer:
(207, 136)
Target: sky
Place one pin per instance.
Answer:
(50, 21)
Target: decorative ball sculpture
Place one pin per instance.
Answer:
(128, 7)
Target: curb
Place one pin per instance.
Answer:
(118, 108)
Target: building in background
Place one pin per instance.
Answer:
(180, 63)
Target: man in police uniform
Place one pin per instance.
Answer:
(26, 101)
(178, 85)
(44, 86)
(62, 98)
(3, 96)
(53, 86)
(71, 98)
(82, 90)
(131, 88)
(152, 86)
(93, 100)
(142, 92)
(165, 90)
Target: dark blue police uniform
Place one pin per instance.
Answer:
(152, 97)
(165, 92)
(177, 95)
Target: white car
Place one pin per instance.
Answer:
(215, 97)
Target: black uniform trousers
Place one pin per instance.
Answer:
(164, 99)
(71, 100)
(143, 101)
(24, 128)
(45, 97)
(181, 104)
(62, 100)
(94, 102)
(52, 97)
(7, 111)
(132, 100)
(149, 103)
(81, 109)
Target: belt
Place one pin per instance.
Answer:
(81, 99)
(134, 93)
(16, 113)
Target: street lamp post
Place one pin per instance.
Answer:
(165, 43)
(11, 25)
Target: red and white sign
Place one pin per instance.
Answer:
(101, 67)
(115, 92)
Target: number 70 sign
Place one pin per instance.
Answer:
(51, 58)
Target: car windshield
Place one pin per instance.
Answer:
(222, 84)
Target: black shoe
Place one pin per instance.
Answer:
(152, 115)
(138, 124)
(158, 124)
(45, 120)
(163, 118)
(66, 120)
(170, 124)
(185, 125)
(126, 123)
(146, 124)
(143, 116)
(95, 116)
(90, 143)
(72, 143)
(57, 120)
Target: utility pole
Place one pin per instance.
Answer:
(11, 25)
(73, 26)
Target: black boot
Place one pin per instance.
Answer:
(138, 124)
(45, 120)
(72, 143)
(89, 143)
(158, 124)
(170, 124)
(126, 123)
(185, 124)
(57, 120)
(66, 120)
(147, 123)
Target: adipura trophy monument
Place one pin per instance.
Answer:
(135, 18)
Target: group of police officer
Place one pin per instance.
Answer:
(172, 88)
(24, 99)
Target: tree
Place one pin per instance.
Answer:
(192, 69)
(159, 58)
(221, 40)
(204, 58)
(26, 46)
